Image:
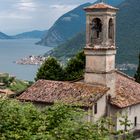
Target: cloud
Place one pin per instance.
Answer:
(62, 7)
(34, 14)
(67, 19)
(10, 15)
(26, 5)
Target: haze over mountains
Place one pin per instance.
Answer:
(31, 34)
(36, 34)
(4, 36)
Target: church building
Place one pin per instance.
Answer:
(104, 91)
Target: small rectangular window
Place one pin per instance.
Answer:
(135, 121)
(95, 108)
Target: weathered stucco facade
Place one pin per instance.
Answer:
(100, 47)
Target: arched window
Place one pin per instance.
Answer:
(96, 27)
(110, 29)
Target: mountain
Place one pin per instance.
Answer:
(31, 34)
(68, 49)
(128, 36)
(26, 35)
(68, 25)
(4, 36)
(128, 31)
(65, 27)
(114, 2)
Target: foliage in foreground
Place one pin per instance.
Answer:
(137, 75)
(25, 122)
(51, 69)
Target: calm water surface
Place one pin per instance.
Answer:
(12, 50)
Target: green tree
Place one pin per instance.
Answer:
(50, 70)
(137, 75)
(63, 122)
(75, 67)
(23, 121)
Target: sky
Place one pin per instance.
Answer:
(18, 16)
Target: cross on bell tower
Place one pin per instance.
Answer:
(100, 47)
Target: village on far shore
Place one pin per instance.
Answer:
(38, 60)
(31, 60)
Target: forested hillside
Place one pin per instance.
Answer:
(68, 49)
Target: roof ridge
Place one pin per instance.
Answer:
(125, 75)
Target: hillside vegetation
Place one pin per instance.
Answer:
(11, 84)
(69, 49)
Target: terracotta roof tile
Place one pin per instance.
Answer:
(79, 93)
(127, 91)
(99, 6)
(73, 93)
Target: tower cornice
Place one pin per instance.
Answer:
(100, 6)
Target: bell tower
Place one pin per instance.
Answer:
(100, 47)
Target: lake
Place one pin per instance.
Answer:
(12, 50)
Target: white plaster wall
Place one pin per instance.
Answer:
(132, 112)
(101, 109)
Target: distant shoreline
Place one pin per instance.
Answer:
(38, 60)
(31, 60)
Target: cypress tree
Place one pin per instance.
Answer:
(137, 75)
(50, 70)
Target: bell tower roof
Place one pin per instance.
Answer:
(99, 6)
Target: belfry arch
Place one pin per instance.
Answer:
(96, 29)
(111, 29)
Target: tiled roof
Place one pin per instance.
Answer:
(100, 6)
(127, 91)
(72, 93)
(79, 93)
